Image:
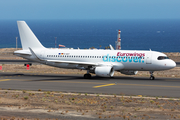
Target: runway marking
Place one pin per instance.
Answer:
(96, 83)
(11, 76)
(104, 85)
(5, 80)
(149, 85)
(117, 84)
(74, 82)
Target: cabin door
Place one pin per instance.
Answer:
(148, 58)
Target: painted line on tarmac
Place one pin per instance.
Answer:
(10, 76)
(73, 82)
(4, 80)
(97, 83)
(149, 85)
(117, 84)
(104, 85)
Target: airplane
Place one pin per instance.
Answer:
(101, 62)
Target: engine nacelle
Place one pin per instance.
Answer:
(104, 71)
(129, 72)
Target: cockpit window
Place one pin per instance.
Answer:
(162, 57)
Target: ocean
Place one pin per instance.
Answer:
(157, 35)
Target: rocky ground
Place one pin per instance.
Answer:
(38, 105)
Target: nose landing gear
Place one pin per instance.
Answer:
(151, 76)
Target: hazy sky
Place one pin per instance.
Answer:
(89, 9)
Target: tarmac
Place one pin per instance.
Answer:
(161, 87)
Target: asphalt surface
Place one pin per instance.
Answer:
(168, 87)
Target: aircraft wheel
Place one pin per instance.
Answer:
(87, 76)
(152, 78)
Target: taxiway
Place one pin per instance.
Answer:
(168, 87)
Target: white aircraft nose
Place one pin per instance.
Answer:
(171, 64)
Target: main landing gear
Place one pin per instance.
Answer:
(87, 75)
(151, 76)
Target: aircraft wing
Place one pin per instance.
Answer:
(73, 62)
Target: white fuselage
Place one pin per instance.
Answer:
(119, 59)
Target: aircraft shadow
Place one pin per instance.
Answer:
(81, 78)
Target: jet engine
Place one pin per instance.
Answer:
(129, 72)
(104, 71)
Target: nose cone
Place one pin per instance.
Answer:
(171, 64)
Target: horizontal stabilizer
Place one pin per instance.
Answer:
(22, 52)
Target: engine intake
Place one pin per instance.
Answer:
(104, 71)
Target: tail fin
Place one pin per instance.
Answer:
(28, 39)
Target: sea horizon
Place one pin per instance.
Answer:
(139, 34)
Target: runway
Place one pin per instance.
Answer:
(169, 87)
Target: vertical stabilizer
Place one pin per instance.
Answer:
(28, 39)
